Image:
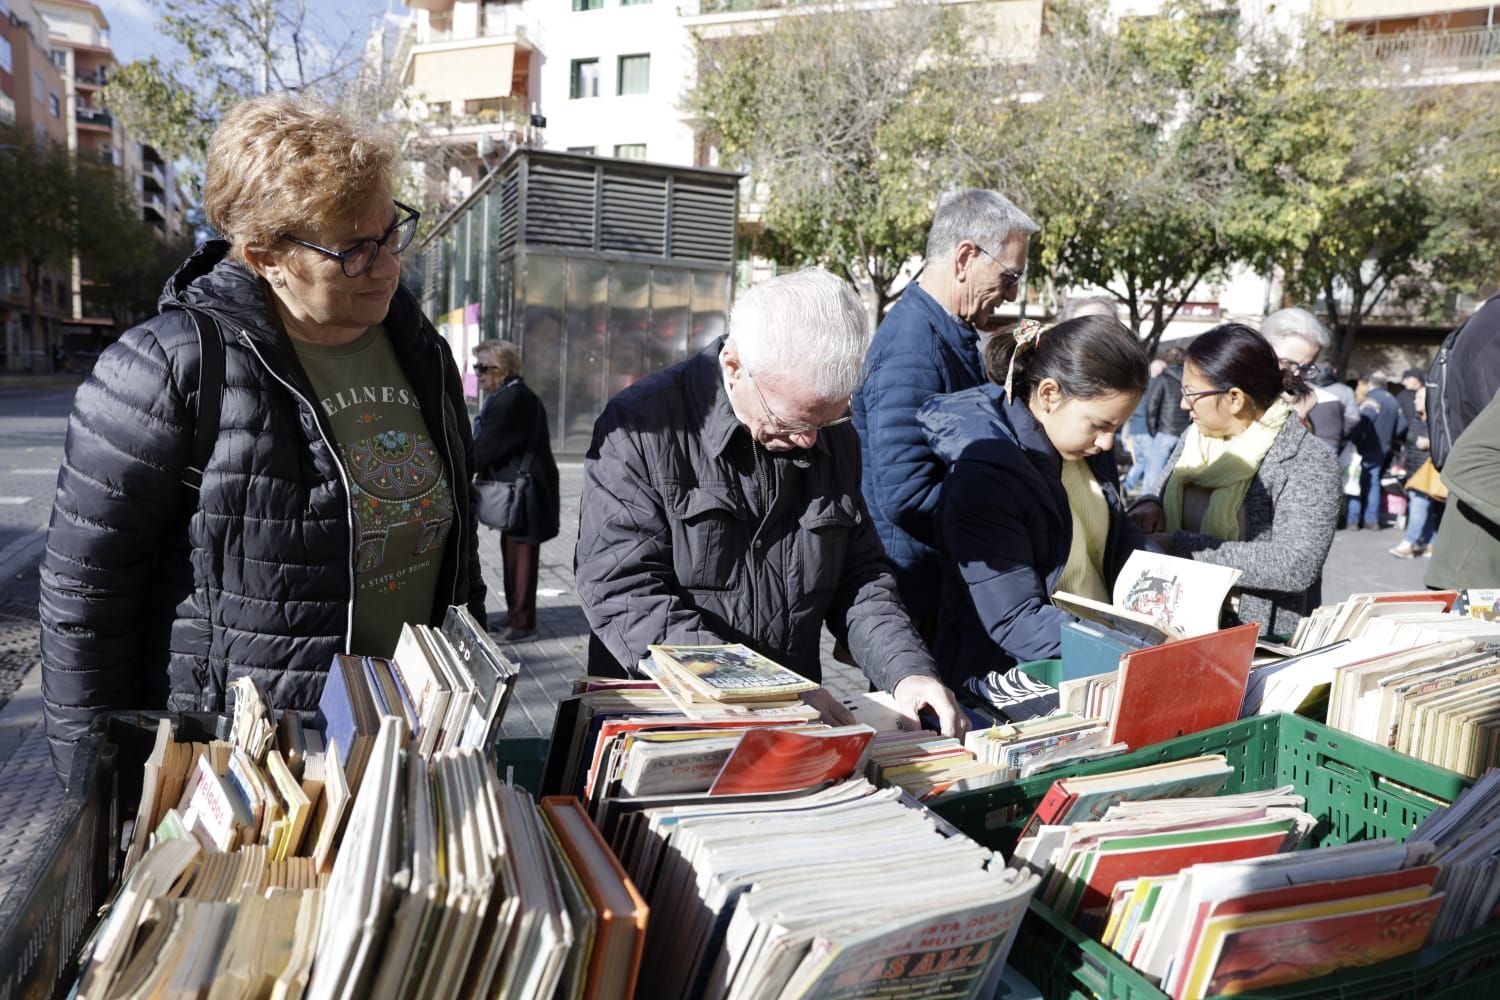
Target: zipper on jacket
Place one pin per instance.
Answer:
(333, 452)
(461, 523)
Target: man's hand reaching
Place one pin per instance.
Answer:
(918, 692)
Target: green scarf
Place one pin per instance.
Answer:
(1224, 466)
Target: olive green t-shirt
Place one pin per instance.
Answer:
(400, 492)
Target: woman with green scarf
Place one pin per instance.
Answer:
(1249, 486)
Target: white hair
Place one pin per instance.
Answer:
(1294, 322)
(985, 218)
(808, 328)
(1088, 305)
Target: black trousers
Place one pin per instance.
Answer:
(520, 560)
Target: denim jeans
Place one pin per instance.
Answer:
(1157, 457)
(1423, 515)
(1369, 498)
(1140, 451)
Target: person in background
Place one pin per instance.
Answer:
(926, 345)
(1468, 550)
(1425, 494)
(1413, 381)
(1030, 502)
(335, 504)
(721, 504)
(1374, 438)
(1138, 437)
(1165, 420)
(1249, 486)
(1298, 339)
(512, 434)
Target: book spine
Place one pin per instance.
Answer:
(1053, 807)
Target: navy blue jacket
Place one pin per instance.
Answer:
(1004, 528)
(1380, 424)
(921, 350)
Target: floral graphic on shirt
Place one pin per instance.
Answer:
(400, 487)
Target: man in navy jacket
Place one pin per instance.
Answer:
(928, 345)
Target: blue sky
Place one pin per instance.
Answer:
(133, 33)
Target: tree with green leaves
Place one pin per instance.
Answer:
(233, 50)
(1346, 178)
(1107, 137)
(846, 121)
(39, 229)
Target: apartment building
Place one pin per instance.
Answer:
(32, 95)
(469, 71)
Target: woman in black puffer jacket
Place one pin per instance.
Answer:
(335, 502)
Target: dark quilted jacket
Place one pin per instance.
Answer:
(921, 350)
(674, 546)
(153, 597)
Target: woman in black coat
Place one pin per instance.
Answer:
(511, 434)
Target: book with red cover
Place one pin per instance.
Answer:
(779, 760)
(1053, 807)
(615, 961)
(1304, 894)
(1183, 687)
(1274, 954)
(1167, 854)
(1447, 598)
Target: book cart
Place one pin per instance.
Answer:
(1356, 789)
(55, 901)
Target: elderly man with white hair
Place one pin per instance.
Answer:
(721, 503)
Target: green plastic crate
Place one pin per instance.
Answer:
(1357, 791)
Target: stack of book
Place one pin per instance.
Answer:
(446, 883)
(1401, 670)
(714, 680)
(775, 898)
(1022, 749)
(1239, 925)
(929, 765)
(1466, 845)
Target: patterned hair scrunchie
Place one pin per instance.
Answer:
(1026, 334)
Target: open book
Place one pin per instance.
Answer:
(1159, 598)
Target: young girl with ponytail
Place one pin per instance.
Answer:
(1249, 486)
(1030, 502)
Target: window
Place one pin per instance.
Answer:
(38, 87)
(635, 75)
(588, 4)
(586, 150)
(493, 19)
(633, 3)
(630, 151)
(4, 48)
(56, 106)
(59, 58)
(4, 7)
(585, 79)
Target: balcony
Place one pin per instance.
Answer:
(153, 207)
(1460, 50)
(95, 78)
(153, 176)
(95, 117)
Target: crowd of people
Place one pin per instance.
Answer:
(279, 467)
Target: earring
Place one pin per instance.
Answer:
(278, 282)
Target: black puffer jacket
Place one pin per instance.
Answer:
(153, 597)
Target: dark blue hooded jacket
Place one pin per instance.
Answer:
(1004, 529)
(920, 351)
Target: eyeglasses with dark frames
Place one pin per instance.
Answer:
(1012, 278)
(1301, 370)
(1193, 397)
(358, 259)
(784, 428)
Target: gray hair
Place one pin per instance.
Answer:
(1088, 305)
(978, 216)
(1294, 322)
(808, 327)
(502, 354)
